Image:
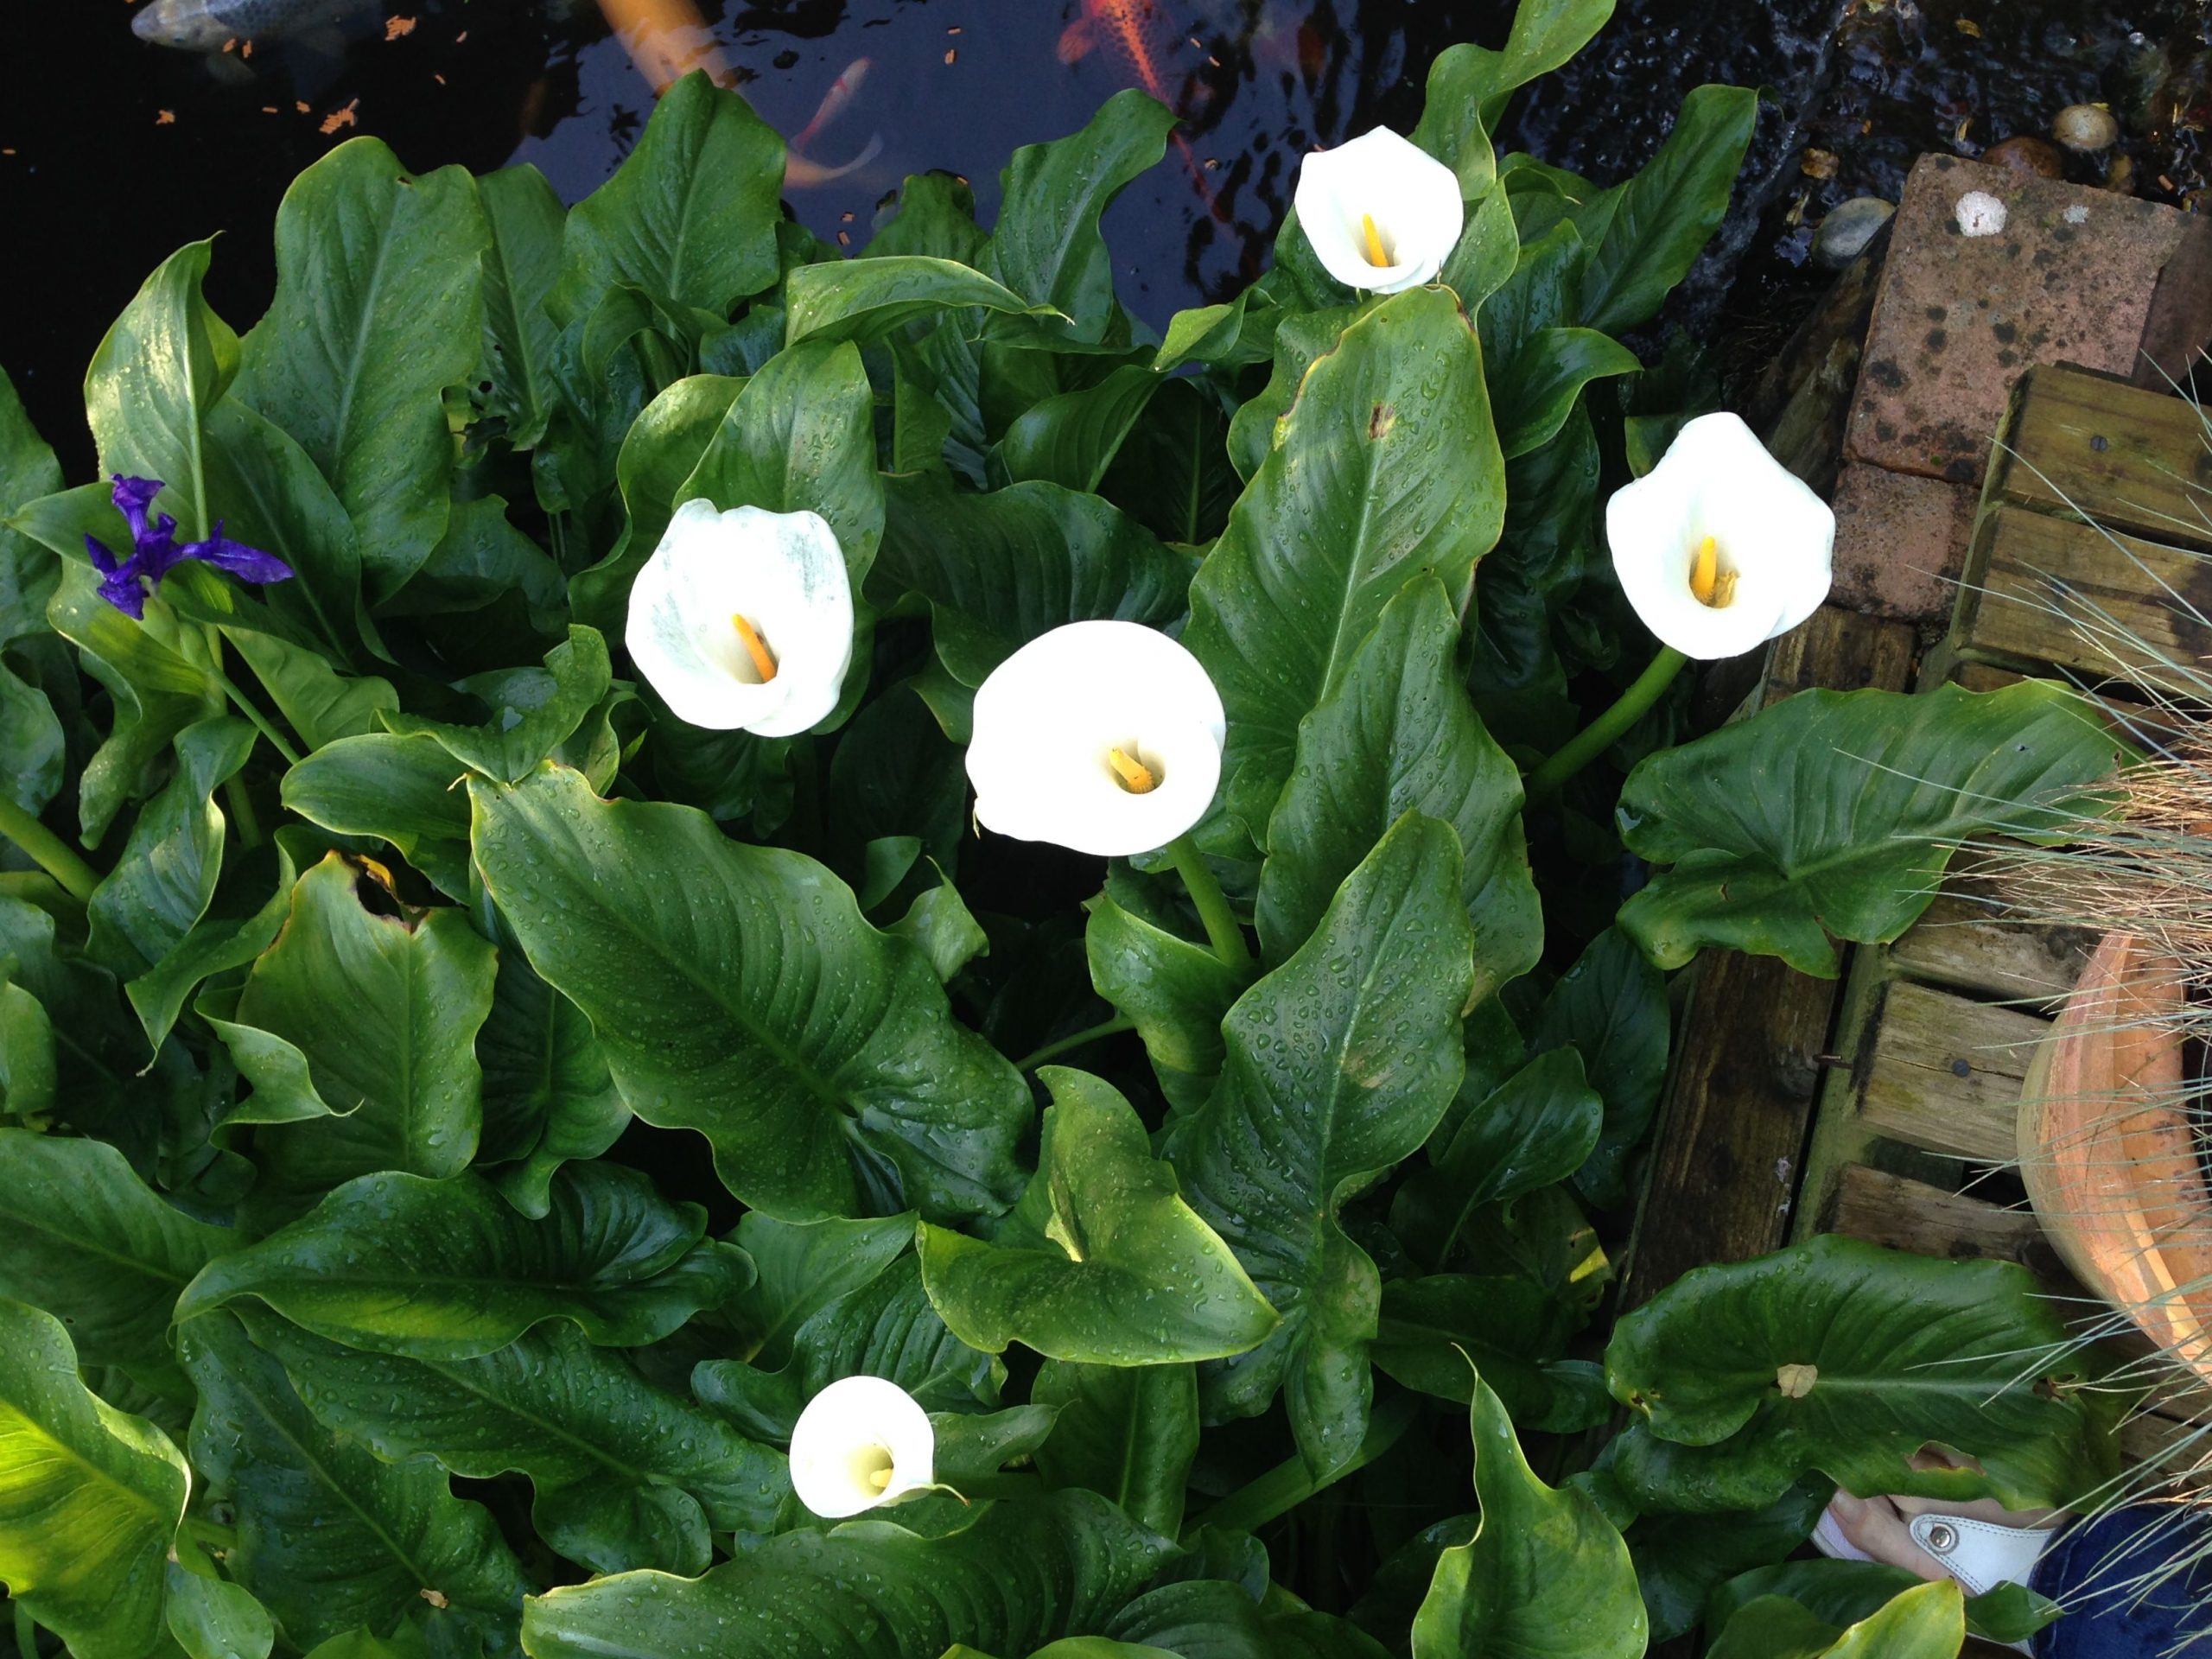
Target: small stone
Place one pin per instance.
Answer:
(2085, 127)
(2027, 156)
(1980, 213)
(1843, 234)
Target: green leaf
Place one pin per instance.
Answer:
(1019, 1575)
(865, 299)
(1437, 1332)
(940, 925)
(91, 1243)
(220, 940)
(1222, 1620)
(165, 876)
(1926, 1622)
(1611, 1007)
(89, 1496)
(1338, 1064)
(690, 215)
(1886, 1351)
(1538, 393)
(211, 1619)
(659, 451)
(329, 1537)
(1302, 340)
(1546, 1574)
(1126, 1432)
(1398, 735)
(801, 437)
(403, 790)
(548, 1094)
(1386, 466)
(1680, 1566)
(1833, 813)
(1105, 1264)
(627, 1475)
(522, 220)
(1656, 226)
(152, 381)
(533, 711)
(447, 1270)
(800, 1268)
(386, 1009)
(1072, 439)
(1535, 1128)
(1002, 569)
(376, 316)
(1176, 991)
(1046, 243)
(738, 991)
(1845, 1593)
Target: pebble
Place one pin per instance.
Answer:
(1843, 234)
(1980, 213)
(2027, 157)
(2085, 127)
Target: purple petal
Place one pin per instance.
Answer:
(132, 496)
(249, 563)
(102, 555)
(122, 590)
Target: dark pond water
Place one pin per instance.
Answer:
(116, 149)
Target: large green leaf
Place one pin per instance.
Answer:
(211, 1618)
(1546, 1574)
(329, 1537)
(522, 220)
(448, 1270)
(1127, 1432)
(91, 1243)
(1679, 1566)
(1436, 1331)
(152, 381)
(689, 216)
(165, 877)
(403, 789)
(627, 1475)
(1611, 1008)
(1925, 1622)
(533, 711)
(548, 1094)
(376, 314)
(1844, 1593)
(1212, 1618)
(1840, 1356)
(737, 992)
(1017, 1576)
(1338, 1064)
(799, 1268)
(1070, 440)
(1386, 466)
(89, 1496)
(1833, 813)
(1653, 227)
(865, 299)
(385, 1007)
(1102, 1263)
(1047, 243)
(1174, 989)
(1398, 735)
(1002, 569)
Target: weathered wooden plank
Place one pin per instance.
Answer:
(2130, 460)
(1746, 1067)
(1908, 1215)
(1944, 1074)
(1965, 941)
(2041, 589)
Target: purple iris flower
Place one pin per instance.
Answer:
(155, 550)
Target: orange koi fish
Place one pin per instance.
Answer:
(800, 172)
(834, 102)
(1136, 32)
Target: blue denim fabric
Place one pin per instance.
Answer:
(2086, 1572)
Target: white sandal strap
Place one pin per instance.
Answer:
(1980, 1555)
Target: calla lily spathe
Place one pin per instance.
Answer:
(1103, 737)
(863, 1442)
(1381, 212)
(743, 620)
(1720, 548)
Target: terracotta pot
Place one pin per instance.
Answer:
(2110, 1160)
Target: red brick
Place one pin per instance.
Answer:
(1900, 541)
(1959, 318)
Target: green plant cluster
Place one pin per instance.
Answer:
(384, 958)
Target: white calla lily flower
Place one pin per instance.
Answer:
(1720, 546)
(1381, 212)
(861, 1442)
(1103, 737)
(744, 619)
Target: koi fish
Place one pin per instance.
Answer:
(834, 102)
(803, 173)
(1136, 31)
(207, 25)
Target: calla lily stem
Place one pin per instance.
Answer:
(54, 856)
(1060, 1045)
(1223, 929)
(260, 720)
(1545, 783)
